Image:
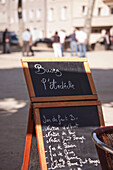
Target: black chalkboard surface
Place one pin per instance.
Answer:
(59, 79)
(66, 132)
(54, 80)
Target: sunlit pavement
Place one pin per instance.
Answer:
(14, 100)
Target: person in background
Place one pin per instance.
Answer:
(107, 40)
(81, 37)
(73, 43)
(26, 36)
(111, 37)
(30, 45)
(56, 45)
(6, 41)
(62, 40)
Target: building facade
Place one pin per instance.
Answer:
(44, 17)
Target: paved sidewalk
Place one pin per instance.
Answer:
(14, 100)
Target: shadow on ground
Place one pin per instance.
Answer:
(14, 49)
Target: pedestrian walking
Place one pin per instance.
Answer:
(6, 41)
(73, 43)
(62, 40)
(30, 45)
(26, 36)
(81, 37)
(56, 45)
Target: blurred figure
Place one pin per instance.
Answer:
(73, 43)
(26, 36)
(6, 41)
(81, 37)
(111, 37)
(30, 45)
(107, 40)
(62, 40)
(56, 45)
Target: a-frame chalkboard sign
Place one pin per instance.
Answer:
(64, 110)
(63, 132)
(58, 79)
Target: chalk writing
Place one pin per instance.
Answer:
(53, 85)
(41, 70)
(59, 79)
(63, 143)
(59, 119)
(67, 141)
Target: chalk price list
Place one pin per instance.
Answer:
(61, 143)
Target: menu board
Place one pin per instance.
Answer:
(58, 80)
(63, 132)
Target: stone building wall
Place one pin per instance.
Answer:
(44, 17)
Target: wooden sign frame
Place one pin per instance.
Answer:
(31, 91)
(38, 127)
(28, 140)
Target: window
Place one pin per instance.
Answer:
(99, 11)
(64, 13)
(16, 17)
(41, 34)
(3, 17)
(24, 15)
(96, 30)
(38, 14)
(3, 1)
(111, 11)
(84, 10)
(11, 20)
(31, 14)
(50, 14)
(105, 11)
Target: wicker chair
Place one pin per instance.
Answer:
(103, 139)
